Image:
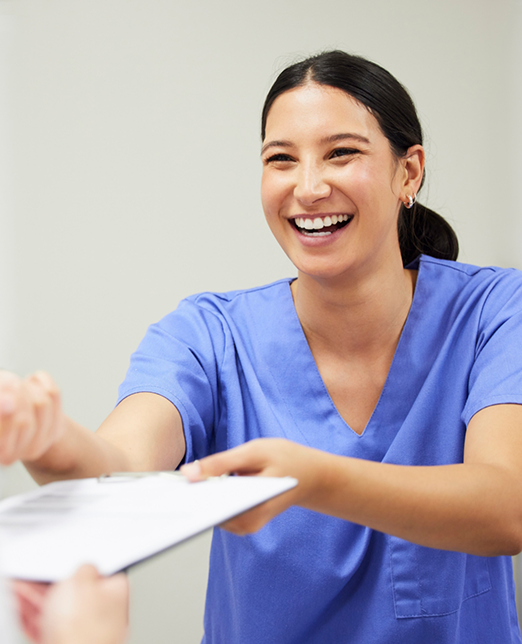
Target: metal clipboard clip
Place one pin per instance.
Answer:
(118, 477)
(115, 477)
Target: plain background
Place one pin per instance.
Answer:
(129, 178)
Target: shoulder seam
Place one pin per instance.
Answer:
(230, 295)
(458, 266)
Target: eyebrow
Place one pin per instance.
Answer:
(328, 139)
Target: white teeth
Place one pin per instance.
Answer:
(305, 223)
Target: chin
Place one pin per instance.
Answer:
(323, 271)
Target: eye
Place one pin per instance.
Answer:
(343, 152)
(279, 157)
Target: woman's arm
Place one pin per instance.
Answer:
(144, 432)
(473, 507)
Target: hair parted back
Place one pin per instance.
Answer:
(420, 229)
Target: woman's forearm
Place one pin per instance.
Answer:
(474, 508)
(144, 432)
(79, 453)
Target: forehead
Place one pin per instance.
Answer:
(314, 109)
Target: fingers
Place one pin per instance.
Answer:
(12, 410)
(9, 407)
(30, 598)
(249, 459)
(86, 574)
(260, 457)
(87, 608)
(47, 406)
(253, 520)
(30, 416)
(116, 586)
(33, 591)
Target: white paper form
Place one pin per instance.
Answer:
(114, 523)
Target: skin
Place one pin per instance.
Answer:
(85, 609)
(352, 296)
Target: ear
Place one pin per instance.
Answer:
(413, 171)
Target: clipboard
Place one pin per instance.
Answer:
(117, 521)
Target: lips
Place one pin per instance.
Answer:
(320, 226)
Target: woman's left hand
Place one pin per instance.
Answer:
(471, 507)
(263, 457)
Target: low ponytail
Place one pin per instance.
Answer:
(420, 229)
(423, 231)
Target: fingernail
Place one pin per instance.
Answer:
(191, 470)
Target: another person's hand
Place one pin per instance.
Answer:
(85, 609)
(31, 416)
(30, 598)
(265, 457)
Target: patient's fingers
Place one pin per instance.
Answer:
(31, 417)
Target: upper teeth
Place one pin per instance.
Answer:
(318, 222)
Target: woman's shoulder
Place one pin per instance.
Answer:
(490, 291)
(445, 272)
(257, 296)
(205, 322)
(219, 310)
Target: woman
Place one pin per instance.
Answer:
(395, 378)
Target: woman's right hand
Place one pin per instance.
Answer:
(31, 416)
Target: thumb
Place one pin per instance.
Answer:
(209, 467)
(244, 460)
(87, 574)
(192, 471)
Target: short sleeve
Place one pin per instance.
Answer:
(179, 359)
(496, 374)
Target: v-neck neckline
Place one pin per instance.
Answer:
(392, 381)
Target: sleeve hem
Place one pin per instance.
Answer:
(185, 421)
(505, 399)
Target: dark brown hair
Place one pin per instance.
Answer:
(420, 229)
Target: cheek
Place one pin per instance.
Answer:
(265, 192)
(272, 195)
(375, 187)
(358, 177)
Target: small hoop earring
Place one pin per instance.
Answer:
(411, 201)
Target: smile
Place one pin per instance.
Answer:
(321, 225)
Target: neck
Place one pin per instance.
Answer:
(358, 316)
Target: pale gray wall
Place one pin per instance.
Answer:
(136, 179)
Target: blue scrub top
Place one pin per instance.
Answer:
(237, 366)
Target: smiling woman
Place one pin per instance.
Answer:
(311, 176)
(370, 87)
(387, 378)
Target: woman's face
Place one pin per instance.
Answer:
(331, 186)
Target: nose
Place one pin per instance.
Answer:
(311, 185)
